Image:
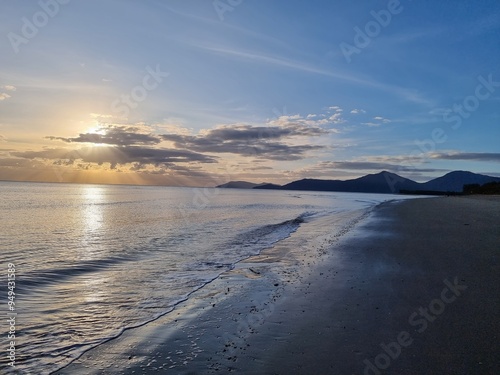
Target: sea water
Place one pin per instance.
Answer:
(93, 260)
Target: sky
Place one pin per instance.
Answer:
(202, 92)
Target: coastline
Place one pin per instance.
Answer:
(356, 294)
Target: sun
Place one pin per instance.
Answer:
(96, 130)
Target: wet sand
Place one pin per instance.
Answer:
(413, 289)
(389, 290)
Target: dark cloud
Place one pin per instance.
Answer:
(141, 150)
(117, 155)
(472, 156)
(262, 168)
(246, 132)
(246, 140)
(114, 135)
(329, 168)
(376, 166)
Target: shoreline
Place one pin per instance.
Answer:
(245, 296)
(360, 291)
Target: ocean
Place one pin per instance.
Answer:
(91, 261)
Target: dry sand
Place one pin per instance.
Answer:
(412, 290)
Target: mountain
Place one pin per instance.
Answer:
(454, 181)
(268, 187)
(383, 182)
(239, 185)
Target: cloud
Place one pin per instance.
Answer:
(316, 121)
(114, 135)
(378, 120)
(261, 168)
(357, 111)
(470, 156)
(335, 108)
(384, 120)
(336, 118)
(409, 165)
(294, 120)
(256, 141)
(265, 142)
(117, 156)
(4, 95)
(372, 166)
(140, 145)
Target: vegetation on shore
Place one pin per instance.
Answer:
(488, 188)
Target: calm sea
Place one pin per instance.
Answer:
(92, 260)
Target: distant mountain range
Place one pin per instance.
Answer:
(383, 182)
(240, 185)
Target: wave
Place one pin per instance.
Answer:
(38, 278)
(244, 245)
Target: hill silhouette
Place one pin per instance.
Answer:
(383, 182)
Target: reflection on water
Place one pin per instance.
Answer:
(93, 288)
(93, 206)
(92, 221)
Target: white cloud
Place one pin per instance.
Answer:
(356, 111)
(309, 120)
(4, 95)
(337, 118)
(382, 119)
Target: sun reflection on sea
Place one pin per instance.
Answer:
(93, 198)
(92, 246)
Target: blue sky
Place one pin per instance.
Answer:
(202, 92)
